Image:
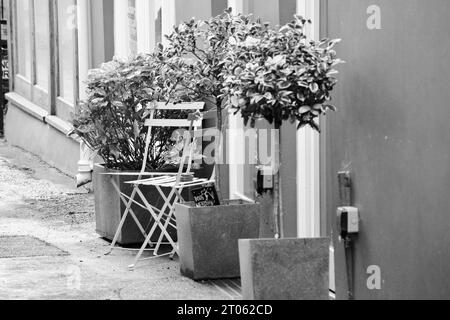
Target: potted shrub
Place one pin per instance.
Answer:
(195, 57)
(111, 123)
(282, 76)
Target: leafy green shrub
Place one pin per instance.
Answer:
(196, 50)
(194, 57)
(111, 120)
(281, 75)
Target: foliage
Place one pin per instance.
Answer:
(196, 50)
(280, 75)
(195, 56)
(111, 120)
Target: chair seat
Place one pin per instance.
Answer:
(168, 182)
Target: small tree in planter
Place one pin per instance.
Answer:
(195, 57)
(280, 76)
(111, 123)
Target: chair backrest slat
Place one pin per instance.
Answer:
(195, 131)
(173, 123)
(180, 106)
(191, 123)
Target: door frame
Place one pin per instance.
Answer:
(325, 227)
(310, 147)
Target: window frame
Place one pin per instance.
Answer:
(47, 99)
(64, 108)
(24, 86)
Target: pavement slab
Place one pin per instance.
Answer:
(39, 202)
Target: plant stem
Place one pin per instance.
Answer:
(277, 192)
(218, 151)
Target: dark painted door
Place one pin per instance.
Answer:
(392, 132)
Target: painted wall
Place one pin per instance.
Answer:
(392, 132)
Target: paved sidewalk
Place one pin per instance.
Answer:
(58, 255)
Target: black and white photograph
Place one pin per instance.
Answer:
(238, 151)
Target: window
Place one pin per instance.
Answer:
(24, 34)
(32, 55)
(42, 44)
(66, 49)
(46, 44)
(138, 26)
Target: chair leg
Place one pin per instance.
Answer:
(122, 221)
(161, 212)
(157, 222)
(156, 217)
(161, 237)
(124, 198)
(178, 197)
(141, 251)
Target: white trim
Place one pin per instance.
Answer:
(240, 6)
(84, 52)
(236, 152)
(168, 18)
(145, 20)
(308, 151)
(235, 171)
(121, 36)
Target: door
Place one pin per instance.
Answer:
(392, 132)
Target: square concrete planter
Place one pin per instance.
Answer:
(208, 238)
(285, 269)
(109, 208)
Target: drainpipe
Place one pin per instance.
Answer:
(85, 165)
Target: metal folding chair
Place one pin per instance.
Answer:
(163, 217)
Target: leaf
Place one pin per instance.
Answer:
(257, 99)
(314, 87)
(314, 125)
(332, 73)
(304, 109)
(268, 96)
(284, 85)
(118, 104)
(330, 107)
(234, 101)
(317, 107)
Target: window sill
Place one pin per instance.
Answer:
(27, 106)
(59, 124)
(37, 112)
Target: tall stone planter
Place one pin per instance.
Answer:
(109, 208)
(208, 238)
(285, 269)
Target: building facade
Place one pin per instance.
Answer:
(391, 132)
(54, 43)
